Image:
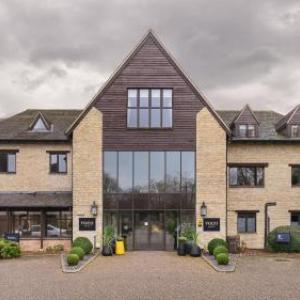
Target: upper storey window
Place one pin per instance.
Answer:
(149, 108)
(247, 131)
(295, 131)
(7, 162)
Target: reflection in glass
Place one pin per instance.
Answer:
(155, 118)
(155, 98)
(110, 171)
(3, 222)
(132, 98)
(188, 171)
(144, 117)
(157, 171)
(132, 117)
(167, 117)
(167, 98)
(11, 162)
(141, 171)
(173, 172)
(144, 98)
(125, 171)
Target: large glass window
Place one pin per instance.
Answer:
(188, 171)
(157, 171)
(58, 224)
(246, 223)
(58, 162)
(149, 108)
(246, 176)
(110, 171)
(173, 171)
(141, 171)
(7, 162)
(27, 223)
(3, 222)
(125, 171)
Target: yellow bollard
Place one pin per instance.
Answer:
(120, 249)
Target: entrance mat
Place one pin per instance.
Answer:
(82, 263)
(210, 259)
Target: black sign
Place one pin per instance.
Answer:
(211, 224)
(283, 237)
(14, 237)
(87, 224)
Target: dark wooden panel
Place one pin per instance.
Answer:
(150, 68)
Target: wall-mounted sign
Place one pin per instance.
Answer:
(283, 237)
(14, 237)
(87, 224)
(211, 224)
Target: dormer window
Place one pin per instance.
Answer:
(295, 131)
(246, 131)
(40, 124)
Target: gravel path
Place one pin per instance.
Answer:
(150, 275)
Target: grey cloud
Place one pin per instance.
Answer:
(221, 44)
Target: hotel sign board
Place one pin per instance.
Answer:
(87, 224)
(211, 224)
(283, 237)
(13, 237)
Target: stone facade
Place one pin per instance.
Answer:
(87, 173)
(277, 188)
(210, 173)
(32, 169)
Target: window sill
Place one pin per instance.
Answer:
(245, 187)
(62, 173)
(8, 173)
(149, 128)
(247, 233)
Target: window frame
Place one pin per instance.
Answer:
(138, 107)
(256, 166)
(247, 135)
(57, 153)
(9, 152)
(246, 215)
(292, 167)
(291, 131)
(297, 213)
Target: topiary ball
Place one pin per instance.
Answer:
(77, 250)
(222, 259)
(84, 243)
(215, 243)
(220, 249)
(72, 259)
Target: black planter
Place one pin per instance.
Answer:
(195, 251)
(181, 249)
(107, 251)
(189, 245)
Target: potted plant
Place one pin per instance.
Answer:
(120, 249)
(188, 232)
(108, 236)
(181, 248)
(195, 249)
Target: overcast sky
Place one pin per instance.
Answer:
(57, 54)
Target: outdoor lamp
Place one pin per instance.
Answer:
(94, 209)
(203, 210)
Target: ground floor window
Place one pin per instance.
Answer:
(295, 218)
(246, 222)
(36, 223)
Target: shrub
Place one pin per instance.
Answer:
(222, 259)
(10, 250)
(77, 250)
(58, 248)
(220, 249)
(72, 259)
(84, 243)
(293, 246)
(215, 243)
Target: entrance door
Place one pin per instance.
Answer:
(149, 231)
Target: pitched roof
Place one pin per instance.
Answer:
(17, 127)
(149, 35)
(244, 114)
(38, 199)
(288, 118)
(267, 121)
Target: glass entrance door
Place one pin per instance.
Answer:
(149, 230)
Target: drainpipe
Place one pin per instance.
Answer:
(267, 205)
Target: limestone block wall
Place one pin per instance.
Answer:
(210, 172)
(32, 169)
(87, 173)
(277, 187)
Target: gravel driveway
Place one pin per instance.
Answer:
(150, 275)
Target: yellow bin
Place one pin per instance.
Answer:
(120, 249)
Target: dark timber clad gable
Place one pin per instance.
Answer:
(149, 66)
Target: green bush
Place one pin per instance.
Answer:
(9, 250)
(222, 259)
(72, 259)
(293, 246)
(220, 249)
(84, 243)
(77, 250)
(215, 243)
